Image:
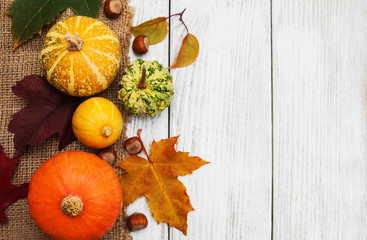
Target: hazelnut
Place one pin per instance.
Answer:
(133, 145)
(109, 155)
(141, 44)
(136, 221)
(113, 8)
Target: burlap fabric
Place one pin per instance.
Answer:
(25, 61)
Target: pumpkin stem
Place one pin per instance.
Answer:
(106, 131)
(72, 206)
(141, 84)
(74, 42)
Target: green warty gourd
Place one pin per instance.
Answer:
(145, 88)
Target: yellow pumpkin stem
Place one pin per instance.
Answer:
(141, 84)
(106, 131)
(74, 42)
(72, 206)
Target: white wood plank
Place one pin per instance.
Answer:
(320, 167)
(222, 111)
(153, 127)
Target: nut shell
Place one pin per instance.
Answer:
(109, 155)
(113, 8)
(136, 222)
(141, 44)
(133, 145)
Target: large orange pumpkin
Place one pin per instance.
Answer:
(80, 56)
(75, 195)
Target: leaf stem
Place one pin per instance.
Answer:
(176, 14)
(145, 150)
(179, 14)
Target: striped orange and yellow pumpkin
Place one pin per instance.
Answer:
(80, 56)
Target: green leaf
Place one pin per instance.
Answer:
(188, 52)
(30, 15)
(87, 8)
(155, 30)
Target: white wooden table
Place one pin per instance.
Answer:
(276, 101)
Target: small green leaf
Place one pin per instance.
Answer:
(188, 52)
(87, 8)
(29, 17)
(155, 30)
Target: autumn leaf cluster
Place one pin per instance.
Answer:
(156, 30)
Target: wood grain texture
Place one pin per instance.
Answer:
(320, 158)
(153, 127)
(222, 111)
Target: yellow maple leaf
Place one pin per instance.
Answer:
(156, 179)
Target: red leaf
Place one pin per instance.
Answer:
(48, 112)
(9, 193)
(189, 51)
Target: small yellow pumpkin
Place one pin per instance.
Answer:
(97, 122)
(80, 56)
